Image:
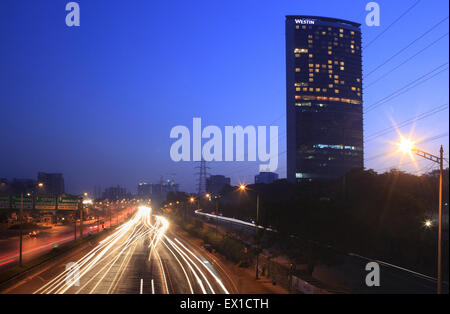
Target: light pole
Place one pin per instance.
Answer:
(217, 211)
(81, 222)
(20, 227)
(243, 187)
(208, 197)
(191, 200)
(75, 224)
(408, 146)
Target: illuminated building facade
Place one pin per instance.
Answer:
(324, 97)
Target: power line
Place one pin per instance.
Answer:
(407, 46)
(429, 139)
(426, 169)
(395, 166)
(407, 122)
(403, 164)
(407, 60)
(375, 157)
(407, 87)
(433, 138)
(392, 24)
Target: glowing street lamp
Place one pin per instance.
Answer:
(428, 223)
(243, 187)
(408, 146)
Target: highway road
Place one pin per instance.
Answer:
(140, 257)
(45, 241)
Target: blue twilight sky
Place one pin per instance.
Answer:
(97, 102)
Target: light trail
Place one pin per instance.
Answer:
(234, 220)
(101, 270)
(86, 263)
(181, 266)
(193, 264)
(207, 268)
(199, 281)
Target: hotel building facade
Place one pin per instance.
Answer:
(324, 98)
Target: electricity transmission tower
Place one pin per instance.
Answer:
(201, 181)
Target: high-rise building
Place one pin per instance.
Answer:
(97, 191)
(215, 183)
(144, 189)
(115, 193)
(53, 183)
(157, 191)
(266, 177)
(17, 186)
(324, 97)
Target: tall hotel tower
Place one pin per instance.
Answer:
(324, 97)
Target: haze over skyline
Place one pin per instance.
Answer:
(97, 102)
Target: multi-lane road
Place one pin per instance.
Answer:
(139, 257)
(46, 241)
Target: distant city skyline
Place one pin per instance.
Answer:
(97, 103)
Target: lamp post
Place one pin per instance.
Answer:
(208, 196)
(20, 227)
(243, 187)
(81, 222)
(191, 200)
(408, 146)
(217, 211)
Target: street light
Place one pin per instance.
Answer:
(217, 210)
(406, 145)
(191, 200)
(428, 223)
(243, 187)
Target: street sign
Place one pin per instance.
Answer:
(67, 202)
(45, 202)
(27, 202)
